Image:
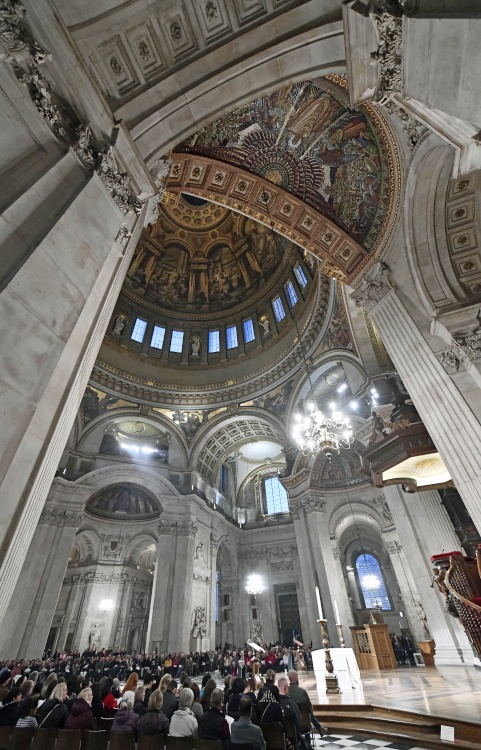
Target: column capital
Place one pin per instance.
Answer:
(374, 287)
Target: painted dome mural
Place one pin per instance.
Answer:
(123, 500)
(309, 141)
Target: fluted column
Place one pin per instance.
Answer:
(27, 623)
(452, 425)
(424, 529)
(407, 586)
(214, 546)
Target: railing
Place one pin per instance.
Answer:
(459, 580)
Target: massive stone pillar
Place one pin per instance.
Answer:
(170, 612)
(449, 420)
(319, 561)
(27, 623)
(424, 529)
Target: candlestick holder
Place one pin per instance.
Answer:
(332, 684)
(341, 634)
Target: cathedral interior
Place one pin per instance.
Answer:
(219, 218)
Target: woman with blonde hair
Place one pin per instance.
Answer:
(131, 684)
(54, 712)
(154, 721)
(164, 683)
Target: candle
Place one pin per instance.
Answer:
(336, 613)
(319, 605)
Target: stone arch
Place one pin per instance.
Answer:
(141, 475)
(227, 431)
(95, 429)
(137, 546)
(87, 544)
(442, 228)
(310, 54)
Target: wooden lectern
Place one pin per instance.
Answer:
(372, 646)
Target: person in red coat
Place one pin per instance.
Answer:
(81, 716)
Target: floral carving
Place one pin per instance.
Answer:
(373, 289)
(84, 148)
(22, 50)
(117, 183)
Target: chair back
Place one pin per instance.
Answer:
(152, 742)
(274, 736)
(306, 718)
(207, 744)
(5, 734)
(44, 739)
(105, 723)
(22, 739)
(68, 739)
(122, 741)
(98, 740)
(178, 743)
(290, 726)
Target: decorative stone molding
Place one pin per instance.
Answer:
(373, 288)
(58, 517)
(123, 236)
(336, 553)
(117, 183)
(411, 127)
(389, 55)
(23, 51)
(307, 505)
(382, 507)
(282, 567)
(180, 528)
(201, 579)
(114, 545)
(267, 553)
(395, 8)
(463, 351)
(96, 577)
(256, 632)
(393, 547)
(84, 149)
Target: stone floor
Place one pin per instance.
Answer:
(451, 692)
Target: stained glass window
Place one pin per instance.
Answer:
(231, 336)
(249, 334)
(291, 293)
(278, 307)
(176, 341)
(214, 342)
(300, 276)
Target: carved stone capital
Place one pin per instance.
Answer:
(373, 288)
(58, 517)
(117, 183)
(463, 350)
(307, 505)
(180, 528)
(393, 547)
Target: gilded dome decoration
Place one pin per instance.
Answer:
(123, 500)
(306, 139)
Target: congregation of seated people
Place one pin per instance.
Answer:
(158, 706)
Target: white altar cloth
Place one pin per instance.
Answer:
(345, 666)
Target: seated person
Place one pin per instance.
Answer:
(154, 721)
(126, 719)
(9, 710)
(183, 722)
(243, 730)
(212, 723)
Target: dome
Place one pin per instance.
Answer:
(123, 501)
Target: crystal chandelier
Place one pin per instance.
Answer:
(315, 431)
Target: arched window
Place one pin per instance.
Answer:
(372, 582)
(276, 496)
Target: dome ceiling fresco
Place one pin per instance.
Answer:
(309, 141)
(123, 500)
(200, 257)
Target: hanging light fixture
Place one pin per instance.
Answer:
(314, 431)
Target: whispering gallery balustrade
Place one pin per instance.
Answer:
(459, 581)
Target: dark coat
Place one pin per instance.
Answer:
(153, 722)
(126, 720)
(170, 704)
(81, 716)
(9, 715)
(139, 708)
(213, 725)
(52, 714)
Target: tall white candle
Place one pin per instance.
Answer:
(336, 613)
(319, 605)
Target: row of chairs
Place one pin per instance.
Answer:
(68, 739)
